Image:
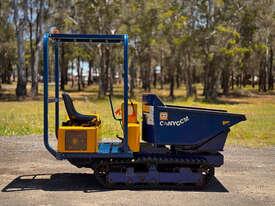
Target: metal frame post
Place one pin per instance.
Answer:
(46, 95)
(125, 67)
(56, 75)
(102, 39)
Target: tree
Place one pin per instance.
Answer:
(216, 43)
(172, 26)
(7, 46)
(20, 23)
(264, 37)
(40, 29)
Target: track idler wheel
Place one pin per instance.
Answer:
(210, 173)
(101, 171)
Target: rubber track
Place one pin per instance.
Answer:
(191, 161)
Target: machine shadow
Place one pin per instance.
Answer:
(79, 182)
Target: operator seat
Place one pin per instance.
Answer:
(77, 118)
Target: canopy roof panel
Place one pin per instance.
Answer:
(93, 38)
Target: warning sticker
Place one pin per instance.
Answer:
(145, 108)
(149, 114)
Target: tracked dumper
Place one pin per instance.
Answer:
(180, 148)
(173, 146)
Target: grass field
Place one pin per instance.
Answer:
(26, 117)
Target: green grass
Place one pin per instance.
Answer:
(23, 118)
(26, 117)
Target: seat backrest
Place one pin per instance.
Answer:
(69, 105)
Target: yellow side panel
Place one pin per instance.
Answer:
(134, 136)
(91, 134)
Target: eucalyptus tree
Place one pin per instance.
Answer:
(7, 45)
(173, 27)
(20, 19)
(264, 39)
(37, 9)
(101, 17)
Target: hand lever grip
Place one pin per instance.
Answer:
(112, 108)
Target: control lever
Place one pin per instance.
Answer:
(112, 108)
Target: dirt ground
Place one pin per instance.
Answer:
(29, 175)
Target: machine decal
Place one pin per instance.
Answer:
(163, 115)
(174, 123)
(75, 140)
(149, 116)
(145, 108)
(225, 122)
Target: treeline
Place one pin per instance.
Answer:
(219, 43)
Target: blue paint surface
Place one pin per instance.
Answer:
(183, 125)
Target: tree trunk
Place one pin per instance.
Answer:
(262, 76)
(82, 79)
(178, 72)
(21, 89)
(232, 80)
(0, 81)
(148, 71)
(31, 45)
(270, 70)
(155, 78)
(101, 74)
(39, 42)
(132, 76)
(172, 83)
(143, 72)
(90, 73)
(107, 67)
(63, 68)
(161, 77)
(35, 71)
(188, 76)
(161, 70)
(226, 77)
(212, 77)
(72, 73)
(78, 74)
(253, 79)
(112, 73)
(6, 72)
(205, 75)
(171, 78)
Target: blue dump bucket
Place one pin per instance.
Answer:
(196, 129)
